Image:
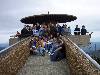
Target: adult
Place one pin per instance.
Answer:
(18, 34)
(30, 46)
(69, 31)
(59, 29)
(30, 31)
(65, 30)
(83, 30)
(41, 31)
(46, 31)
(53, 30)
(24, 32)
(35, 32)
(37, 26)
(77, 30)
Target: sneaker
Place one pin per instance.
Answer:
(46, 51)
(49, 53)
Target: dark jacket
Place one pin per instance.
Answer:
(24, 32)
(53, 31)
(77, 29)
(83, 31)
(77, 33)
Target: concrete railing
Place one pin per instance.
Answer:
(80, 39)
(79, 62)
(14, 57)
(13, 40)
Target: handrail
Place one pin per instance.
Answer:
(86, 55)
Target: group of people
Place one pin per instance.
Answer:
(49, 30)
(40, 45)
(45, 37)
(44, 30)
(45, 40)
(47, 43)
(77, 30)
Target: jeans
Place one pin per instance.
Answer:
(48, 47)
(54, 47)
(41, 51)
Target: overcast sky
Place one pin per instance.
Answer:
(11, 11)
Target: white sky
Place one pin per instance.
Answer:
(11, 11)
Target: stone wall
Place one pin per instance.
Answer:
(14, 57)
(80, 39)
(79, 64)
(13, 40)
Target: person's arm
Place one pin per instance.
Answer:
(87, 31)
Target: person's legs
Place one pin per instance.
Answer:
(46, 47)
(41, 51)
(49, 46)
(38, 51)
(52, 50)
(31, 51)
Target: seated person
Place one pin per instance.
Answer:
(83, 30)
(69, 31)
(33, 44)
(41, 50)
(77, 30)
(30, 45)
(35, 32)
(24, 32)
(55, 52)
(41, 31)
(18, 34)
(47, 45)
(55, 45)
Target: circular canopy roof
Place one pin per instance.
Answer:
(47, 18)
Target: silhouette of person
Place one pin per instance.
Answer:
(77, 30)
(83, 30)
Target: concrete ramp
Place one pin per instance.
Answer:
(41, 65)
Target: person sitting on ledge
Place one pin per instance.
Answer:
(24, 32)
(18, 34)
(77, 30)
(83, 30)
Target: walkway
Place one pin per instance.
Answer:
(38, 65)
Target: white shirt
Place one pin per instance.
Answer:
(35, 32)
